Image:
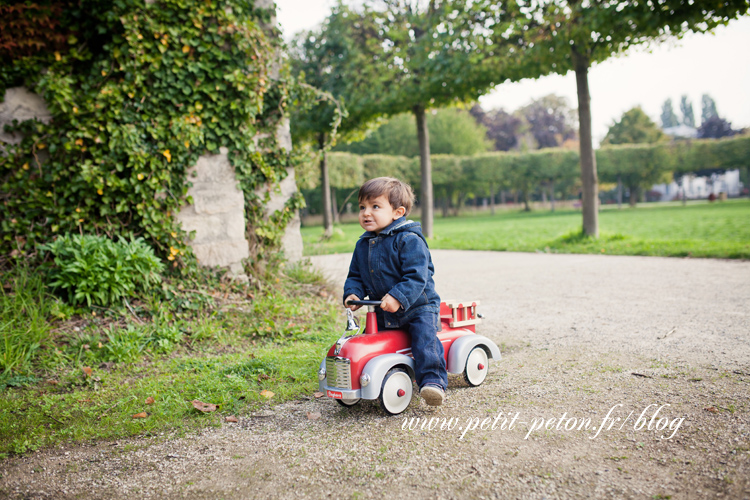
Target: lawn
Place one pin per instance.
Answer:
(115, 374)
(700, 229)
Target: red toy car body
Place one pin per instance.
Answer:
(378, 364)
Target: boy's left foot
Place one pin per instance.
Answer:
(432, 394)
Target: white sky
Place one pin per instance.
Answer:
(715, 64)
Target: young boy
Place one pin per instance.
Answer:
(392, 263)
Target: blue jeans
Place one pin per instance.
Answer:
(428, 352)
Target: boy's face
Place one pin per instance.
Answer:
(376, 214)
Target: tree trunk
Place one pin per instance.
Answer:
(589, 178)
(492, 198)
(426, 203)
(325, 184)
(684, 190)
(552, 196)
(334, 207)
(502, 197)
(619, 192)
(633, 196)
(445, 206)
(526, 207)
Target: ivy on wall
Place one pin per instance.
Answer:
(140, 91)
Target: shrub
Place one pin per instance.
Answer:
(99, 271)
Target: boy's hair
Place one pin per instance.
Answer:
(399, 193)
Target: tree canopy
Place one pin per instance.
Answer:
(635, 127)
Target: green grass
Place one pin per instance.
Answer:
(87, 384)
(720, 230)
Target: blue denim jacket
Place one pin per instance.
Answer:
(397, 261)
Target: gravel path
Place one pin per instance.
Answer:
(662, 344)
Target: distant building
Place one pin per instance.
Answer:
(682, 132)
(702, 187)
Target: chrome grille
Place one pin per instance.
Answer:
(338, 372)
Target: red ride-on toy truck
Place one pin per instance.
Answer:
(378, 365)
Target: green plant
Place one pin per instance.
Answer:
(137, 92)
(24, 309)
(99, 271)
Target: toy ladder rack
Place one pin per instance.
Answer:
(463, 313)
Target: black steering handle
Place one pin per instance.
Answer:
(363, 302)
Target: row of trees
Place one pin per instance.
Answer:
(552, 172)
(712, 125)
(391, 57)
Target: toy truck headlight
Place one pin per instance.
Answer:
(364, 380)
(322, 374)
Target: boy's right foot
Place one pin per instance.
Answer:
(432, 394)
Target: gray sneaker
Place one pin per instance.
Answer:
(433, 395)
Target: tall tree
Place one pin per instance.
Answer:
(708, 108)
(635, 127)
(436, 53)
(551, 121)
(668, 117)
(335, 60)
(686, 108)
(715, 128)
(562, 35)
(503, 128)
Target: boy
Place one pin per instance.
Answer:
(391, 263)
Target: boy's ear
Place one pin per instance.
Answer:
(400, 211)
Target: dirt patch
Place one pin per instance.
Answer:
(654, 342)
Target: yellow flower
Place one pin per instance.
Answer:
(174, 235)
(58, 57)
(185, 49)
(164, 40)
(187, 144)
(173, 250)
(75, 110)
(25, 166)
(198, 106)
(80, 220)
(140, 177)
(78, 210)
(41, 146)
(79, 142)
(167, 155)
(170, 257)
(100, 191)
(140, 37)
(104, 73)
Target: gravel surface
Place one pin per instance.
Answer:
(661, 344)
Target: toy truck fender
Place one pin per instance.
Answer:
(461, 348)
(377, 368)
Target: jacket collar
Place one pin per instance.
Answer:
(396, 225)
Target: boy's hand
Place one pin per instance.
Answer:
(351, 297)
(389, 304)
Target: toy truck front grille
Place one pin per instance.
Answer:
(338, 372)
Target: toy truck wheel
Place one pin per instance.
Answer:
(396, 392)
(347, 403)
(477, 366)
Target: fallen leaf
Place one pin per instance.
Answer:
(319, 394)
(87, 370)
(313, 415)
(150, 400)
(231, 418)
(142, 414)
(52, 382)
(266, 394)
(323, 293)
(263, 376)
(712, 409)
(204, 407)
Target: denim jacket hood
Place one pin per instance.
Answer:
(397, 262)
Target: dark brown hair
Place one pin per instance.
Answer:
(399, 193)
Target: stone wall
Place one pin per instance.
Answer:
(20, 104)
(217, 214)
